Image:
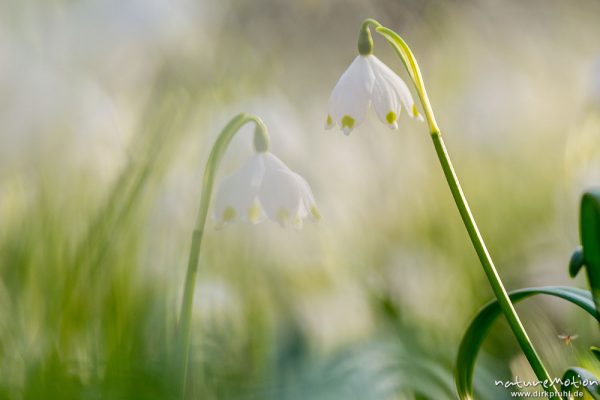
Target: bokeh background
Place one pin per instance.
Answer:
(108, 110)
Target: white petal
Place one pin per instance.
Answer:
(308, 207)
(236, 196)
(350, 98)
(282, 194)
(389, 85)
(386, 102)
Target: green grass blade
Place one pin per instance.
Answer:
(477, 330)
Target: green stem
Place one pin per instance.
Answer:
(487, 263)
(261, 144)
(410, 62)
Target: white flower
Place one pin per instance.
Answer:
(367, 80)
(265, 187)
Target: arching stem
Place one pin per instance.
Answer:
(261, 144)
(410, 62)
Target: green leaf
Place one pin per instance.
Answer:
(595, 351)
(581, 378)
(576, 262)
(590, 241)
(477, 330)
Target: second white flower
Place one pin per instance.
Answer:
(265, 187)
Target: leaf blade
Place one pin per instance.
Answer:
(479, 326)
(585, 379)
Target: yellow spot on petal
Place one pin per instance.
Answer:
(415, 111)
(348, 122)
(390, 117)
(315, 212)
(254, 213)
(283, 216)
(229, 214)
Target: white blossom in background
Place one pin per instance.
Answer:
(265, 187)
(367, 81)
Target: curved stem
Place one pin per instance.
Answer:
(261, 143)
(365, 41)
(491, 273)
(487, 263)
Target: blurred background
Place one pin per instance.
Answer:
(108, 111)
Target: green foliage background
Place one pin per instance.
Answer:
(108, 112)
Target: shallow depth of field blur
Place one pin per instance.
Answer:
(108, 110)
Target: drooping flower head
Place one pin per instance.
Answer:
(264, 187)
(368, 81)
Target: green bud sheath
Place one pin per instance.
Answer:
(365, 40)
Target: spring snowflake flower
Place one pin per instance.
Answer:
(265, 187)
(367, 81)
